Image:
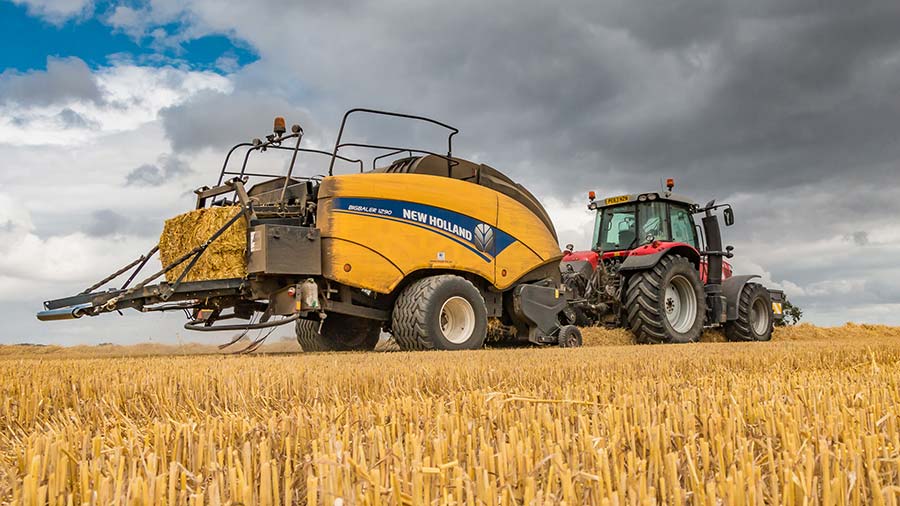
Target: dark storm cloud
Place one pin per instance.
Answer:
(166, 168)
(753, 94)
(64, 79)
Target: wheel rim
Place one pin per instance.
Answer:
(759, 316)
(457, 320)
(681, 304)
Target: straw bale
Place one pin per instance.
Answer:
(225, 258)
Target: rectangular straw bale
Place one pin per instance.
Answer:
(225, 258)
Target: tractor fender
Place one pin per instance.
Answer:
(638, 261)
(731, 289)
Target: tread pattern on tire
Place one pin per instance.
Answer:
(740, 330)
(642, 302)
(565, 335)
(309, 339)
(409, 319)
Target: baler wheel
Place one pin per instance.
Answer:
(754, 321)
(443, 312)
(339, 333)
(569, 336)
(666, 303)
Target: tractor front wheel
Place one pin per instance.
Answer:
(665, 304)
(339, 333)
(754, 321)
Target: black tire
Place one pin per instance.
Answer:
(569, 336)
(420, 310)
(752, 325)
(339, 333)
(646, 303)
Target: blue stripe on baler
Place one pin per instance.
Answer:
(457, 227)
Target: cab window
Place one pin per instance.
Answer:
(683, 226)
(616, 228)
(654, 222)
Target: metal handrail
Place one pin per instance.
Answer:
(338, 144)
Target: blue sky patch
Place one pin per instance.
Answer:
(27, 41)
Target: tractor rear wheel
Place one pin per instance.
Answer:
(443, 312)
(665, 304)
(754, 321)
(339, 333)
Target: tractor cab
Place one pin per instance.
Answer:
(628, 221)
(647, 223)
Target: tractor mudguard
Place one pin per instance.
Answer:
(731, 289)
(647, 256)
(641, 262)
(778, 301)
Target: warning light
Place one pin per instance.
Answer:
(670, 183)
(279, 127)
(592, 195)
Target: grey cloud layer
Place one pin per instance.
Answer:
(791, 108)
(64, 79)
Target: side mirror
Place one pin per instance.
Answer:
(728, 213)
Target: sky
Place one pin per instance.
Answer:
(112, 113)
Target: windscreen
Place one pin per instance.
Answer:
(615, 228)
(626, 227)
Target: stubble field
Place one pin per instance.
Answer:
(810, 418)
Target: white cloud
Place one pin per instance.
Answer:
(129, 96)
(57, 11)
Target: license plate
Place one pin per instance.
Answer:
(616, 200)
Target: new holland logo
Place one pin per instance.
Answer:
(483, 237)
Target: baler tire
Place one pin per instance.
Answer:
(645, 302)
(309, 339)
(418, 313)
(570, 337)
(745, 328)
(339, 333)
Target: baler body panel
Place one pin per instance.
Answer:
(377, 228)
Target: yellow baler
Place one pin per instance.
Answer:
(441, 252)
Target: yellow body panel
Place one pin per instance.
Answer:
(385, 226)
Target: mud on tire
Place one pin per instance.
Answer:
(648, 306)
(444, 312)
(339, 333)
(755, 320)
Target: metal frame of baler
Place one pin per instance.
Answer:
(187, 295)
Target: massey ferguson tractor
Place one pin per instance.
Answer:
(654, 270)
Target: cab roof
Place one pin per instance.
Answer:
(642, 197)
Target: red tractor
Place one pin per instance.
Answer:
(655, 271)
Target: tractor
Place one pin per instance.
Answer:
(654, 270)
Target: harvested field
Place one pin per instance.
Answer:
(810, 418)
